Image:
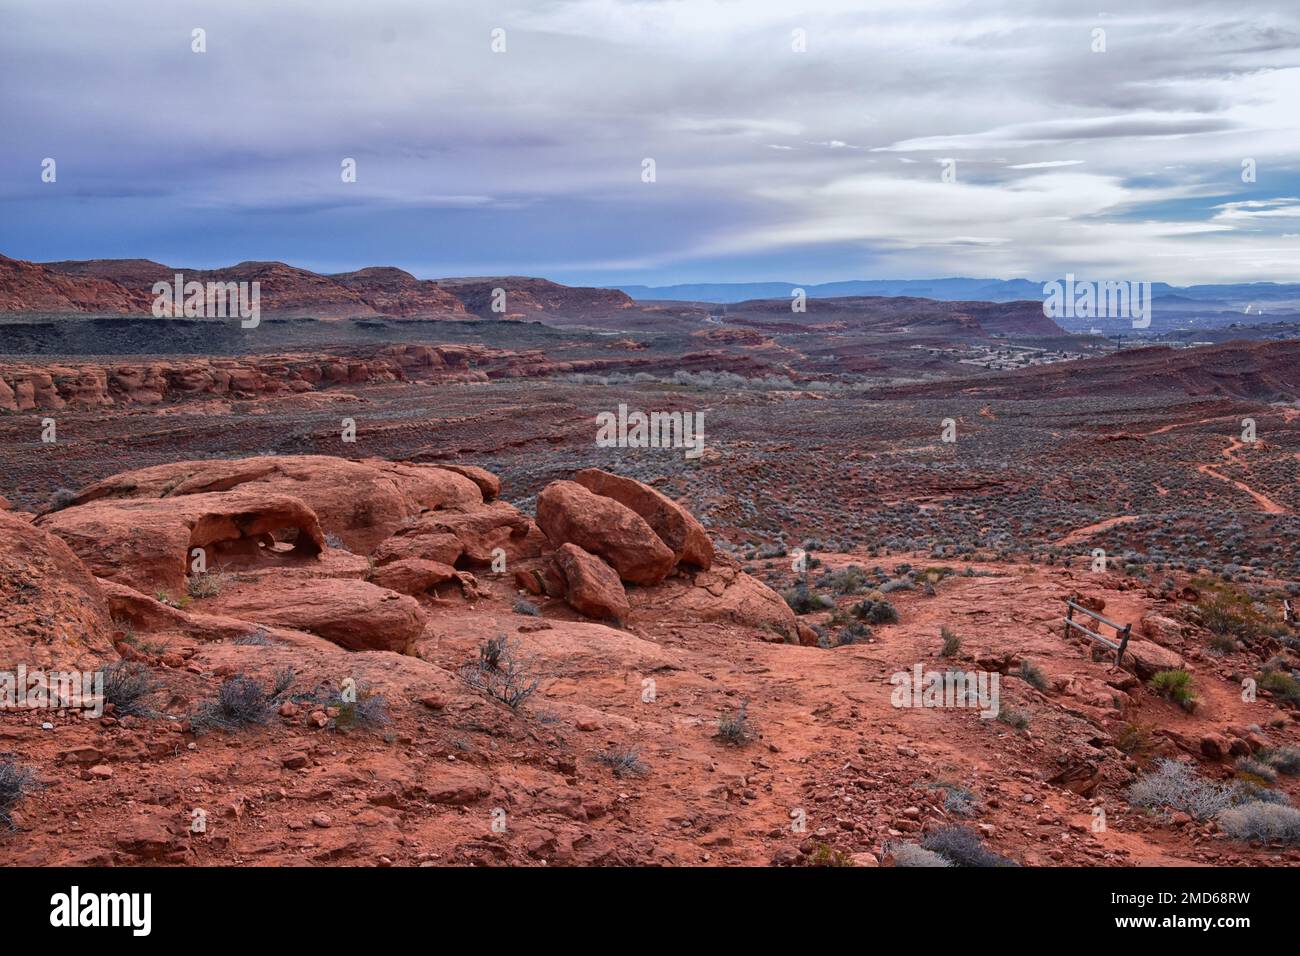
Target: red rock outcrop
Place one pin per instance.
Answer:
(363, 502)
(675, 526)
(25, 387)
(591, 586)
(480, 529)
(355, 615)
(30, 287)
(723, 593)
(53, 613)
(412, 575)
(569, 513)
(147, 543)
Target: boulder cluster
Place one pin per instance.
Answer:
(362, 554)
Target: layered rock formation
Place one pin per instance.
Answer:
(356, 552)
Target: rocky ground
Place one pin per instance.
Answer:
(682, 712)
(472, 636)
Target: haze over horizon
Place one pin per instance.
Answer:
(824, 164)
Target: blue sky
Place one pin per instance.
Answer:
(772, 162)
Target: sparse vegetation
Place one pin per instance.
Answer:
(951, 643)
(1228, 612)
(736, 730)
(957, 799)
(1033, 676)
(128, 685)
(1132, 740)
(875, 611)
(1012, 717)
(1265, 822)
(1176, 685)
(502, 674)
(16, 781)
(242, 702)
(257, 638)
(527, 608)
(369, 710)
(910, 854)
(1255, 771)
(1281, 684)
(1176, 785)
(625, 763)
(962, 846)
(62, 498)
(803, 601)
(206, 584)
(829, 856)
(1283, 759)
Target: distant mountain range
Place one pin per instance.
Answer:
(950, 290)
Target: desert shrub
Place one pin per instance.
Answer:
(1266, 822)
(1284, 759)
(527, 608)
(951, 643)
(1176, 685)
(491, 651)
(1013, 717)
(1033, 676)
(909, 854)
(16, 781)
(854, 633)
(1228, 611)
(205, 585)
(828, 856)
(1177, 786)
(874, 612)
(502, 674)
(128, 685)
(624, 763)
(1256, 770)
(736, 730)
(803, 601)
(242, 702)
(847, 580)
(369, 710)
(957, 800)
(62, 498)
(257, 638)
(962, 846)
(1132, 739)
(1281, 684)
(1223, 643)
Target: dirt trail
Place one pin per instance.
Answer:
(1266, 504)
(1087, 531)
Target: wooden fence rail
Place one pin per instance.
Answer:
(1118, 643)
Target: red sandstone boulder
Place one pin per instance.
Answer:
(412, 575)
(569, 513)
(363, 502)
(437, 546)
(675, 526)
(723, 593)
(1146, 659)
(591, 586)
(489, 485)
(480, 531)
(352, 614)
(53, 613)
(147, 543)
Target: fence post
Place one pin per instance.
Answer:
(1123, 643)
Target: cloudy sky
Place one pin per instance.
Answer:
(771, 162)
